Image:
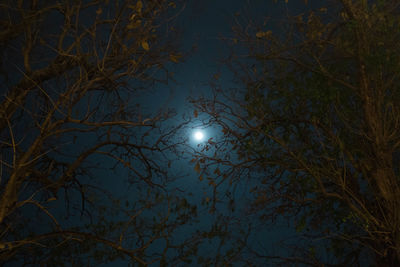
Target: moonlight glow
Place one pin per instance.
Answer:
(198, 135)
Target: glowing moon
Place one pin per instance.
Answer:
(198, 135)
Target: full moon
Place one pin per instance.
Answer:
(198, 135)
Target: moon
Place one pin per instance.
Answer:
(198, 135)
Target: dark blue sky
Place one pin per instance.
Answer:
(205, 24)
(100, 101)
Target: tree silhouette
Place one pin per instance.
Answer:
(316, 129)
(71, 126)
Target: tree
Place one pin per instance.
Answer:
(317, 128)
(71, 126)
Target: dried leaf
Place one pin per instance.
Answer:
(139, 6)
(263, 34)
(197, 167)
(145, 45)
(174, 58)
(195, 113)
(259, 34)
(51, 199)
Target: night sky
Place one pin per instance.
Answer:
(159, 177)
(206, 27)
(204, 30)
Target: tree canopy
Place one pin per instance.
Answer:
(316, 127)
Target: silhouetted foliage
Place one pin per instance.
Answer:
(316, 130)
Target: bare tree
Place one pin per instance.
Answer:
(73, 75)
